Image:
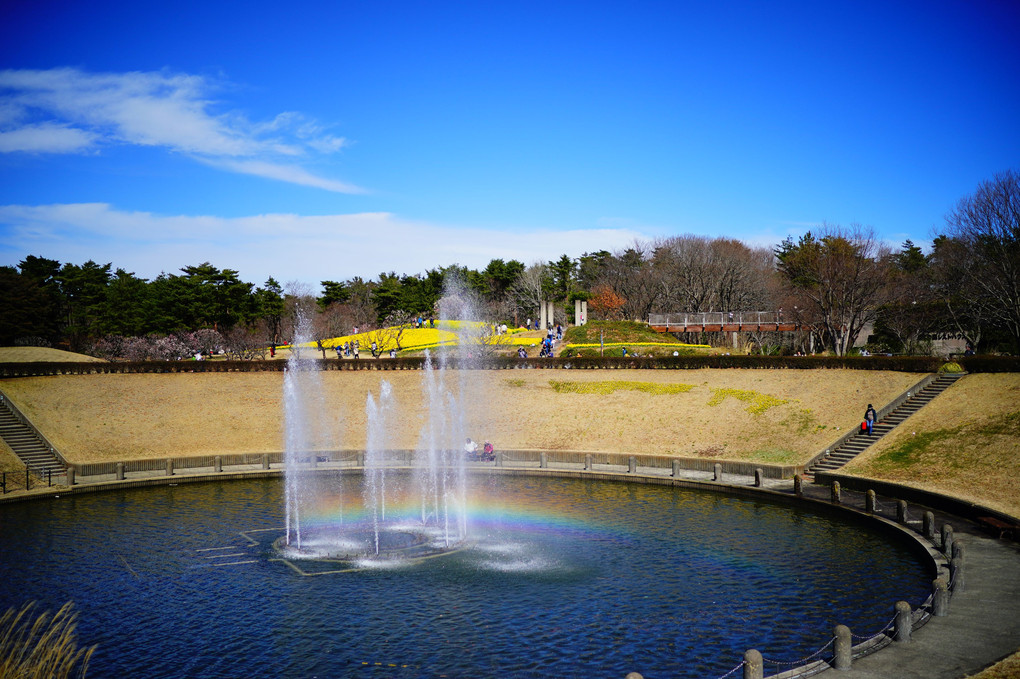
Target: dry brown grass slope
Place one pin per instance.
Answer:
(965, 443)
(768, 415)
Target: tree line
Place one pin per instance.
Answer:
(833, 282)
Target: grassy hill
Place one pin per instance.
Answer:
(614, 336)
(41, 354)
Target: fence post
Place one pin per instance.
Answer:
(929, 526)
(120, 471)
(360, 459)
(835, 494)
(218, 464)
(169, 466)
(718, 472)
(543, 460)
(798, 485)
(499, 459)
(901, 511)
(759, 475)
(632, 464)
(70, 474)
(28, 479)
(947, 539)
(869, 502)
(940, 598)
(587, 462)
(842, 654)
(265, 460)
(754, 666)
(676, 468)
(904, 621)
(956, 574)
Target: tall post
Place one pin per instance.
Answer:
(843, 648)
(587, 462)
(940, 598)
(904, 621)
(869, 502)
(947, 539)
(120, 471)
(929, 525)
(542, 309)
(759, 475)
(169, 466)
(676, 468)
(836, 495)
(632, 464)
(754, 665)
(956, 574)
(717, 476)
(798, 485)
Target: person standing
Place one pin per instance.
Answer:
(870, 417)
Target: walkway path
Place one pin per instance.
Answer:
(983, 624)
(856, 444)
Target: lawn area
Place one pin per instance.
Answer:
(965, 443)
(775, 416)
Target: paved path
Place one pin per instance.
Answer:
(982, 627)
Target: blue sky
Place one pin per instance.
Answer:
(328, 140)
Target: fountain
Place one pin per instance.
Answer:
(436, 487)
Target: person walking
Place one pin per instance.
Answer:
(870, 417)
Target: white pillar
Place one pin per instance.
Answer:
(542, 309)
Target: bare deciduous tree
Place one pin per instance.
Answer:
(987, 227)
(248, 343)
(527, 292)
(843, 274)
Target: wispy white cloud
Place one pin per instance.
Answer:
(286, 246)
(66, 110)
(46, 137)
(287, 173)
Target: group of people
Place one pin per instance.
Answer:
(486, 454)
(349, 349)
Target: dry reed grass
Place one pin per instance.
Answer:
(43, 646)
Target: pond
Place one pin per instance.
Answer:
(559, 577)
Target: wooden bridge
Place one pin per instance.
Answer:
(723, 321)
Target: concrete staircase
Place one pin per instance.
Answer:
(856, 444)
(26, 444)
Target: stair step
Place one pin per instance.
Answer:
(26, 443)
